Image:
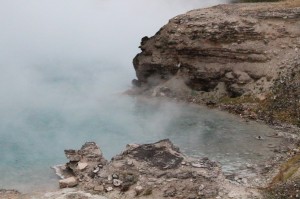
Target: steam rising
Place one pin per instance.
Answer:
(53, 50)
(63, 64)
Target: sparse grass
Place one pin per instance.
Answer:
(285, 184)
(286, 116)
(292, 3)
(238, 100)
(193, 93)
(287, 170)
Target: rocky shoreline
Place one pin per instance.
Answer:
(241, 58)
(157, 170)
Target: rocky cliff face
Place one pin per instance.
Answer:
(223, 51)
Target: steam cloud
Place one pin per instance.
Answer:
(62, 63)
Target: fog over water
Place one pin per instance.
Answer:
(63, 66)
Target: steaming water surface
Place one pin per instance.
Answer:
(63, 67)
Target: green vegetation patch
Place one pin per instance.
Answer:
(283, 186)
(238, 100)
(287, 170)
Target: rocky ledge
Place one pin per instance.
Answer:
(238, 54)
(155, 170)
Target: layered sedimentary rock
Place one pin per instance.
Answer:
(226, 50)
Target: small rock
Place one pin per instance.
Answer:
(99, 188)
(68, 182)
(200, 193)
(138, 190)
(129, 178)
(171, 192)
(108, 189)
(129, 162)
(125, 186)
(249, 166)
(201, 187)
(81, 165)
(117, 182)
(96, 170)
(198, 165)
(296, 150)
(115, 176)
